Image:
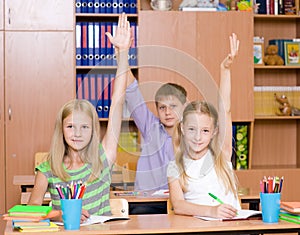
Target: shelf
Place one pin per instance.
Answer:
(275, 67)
(108, 15)
(276, 117)
(261, 16)
(123, 120)
(101, 67)
(273, 167)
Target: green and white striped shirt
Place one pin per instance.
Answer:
(96, 196)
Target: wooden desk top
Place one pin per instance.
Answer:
(170, 224)
(141, 197)
(23, 180)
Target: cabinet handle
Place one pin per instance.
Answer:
(9, 113)
(8, 15)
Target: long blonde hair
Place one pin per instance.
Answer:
(223, 171)
(59, 148)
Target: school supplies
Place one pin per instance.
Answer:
(293, 207)
(216, 198)
(72, 191)
(271, 184)
(241, 215)
(29, 210)
(293, 218)
(38, 228)
(30, 223)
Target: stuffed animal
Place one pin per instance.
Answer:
(284, 105)
(271, 56)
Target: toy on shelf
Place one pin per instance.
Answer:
(271, 57)
(285, 109)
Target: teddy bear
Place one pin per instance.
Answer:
(271, 56)
(284, 105)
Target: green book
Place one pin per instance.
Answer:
(287, 215)
(29, 210)
(288, 219)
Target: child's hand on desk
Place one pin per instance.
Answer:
(224, 211)
(84, 216)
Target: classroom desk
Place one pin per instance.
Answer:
(246, 196)
(175, 224)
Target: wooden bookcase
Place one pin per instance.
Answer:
(276, 139)
(276, 142)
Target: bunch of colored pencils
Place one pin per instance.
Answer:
(271, 184)
(72, 191)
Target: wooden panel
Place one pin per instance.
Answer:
(275, 28)
(178, 51)
(290, 191)
(2, 148)
(39, 79)
(1, 14)
(274, 143)
(39, 15)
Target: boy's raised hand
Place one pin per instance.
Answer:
(122, 38)
(234, 48)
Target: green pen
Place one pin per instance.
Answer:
(216, 198)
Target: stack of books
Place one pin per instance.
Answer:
(290, 211)
(31, 218)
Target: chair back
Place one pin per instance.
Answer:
(40, 157)
(119, 206)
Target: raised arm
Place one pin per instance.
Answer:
(225, 125)
(121, 41)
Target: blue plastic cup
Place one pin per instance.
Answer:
(270, 207)
(71, 213)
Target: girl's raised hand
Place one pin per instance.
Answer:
(122, 38)
(234, 48)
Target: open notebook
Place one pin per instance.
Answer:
(95, 219)
(242, 215)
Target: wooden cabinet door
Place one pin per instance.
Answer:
(2, 159)
(39, 15)
(39, 77)
(188, 48)
(1, 14)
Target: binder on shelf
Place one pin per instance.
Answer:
(126, 6)
(133, 48)
(93, 89)
(97, 43)
(86, 87)
(115, 6)
(90, 6)
(121, 6)
(90, 43)
(97, 6)
(79, 87)
(132, 6)
(84, 43)
(114, 57)
(109, 46)
(102, 44)
(78, 43)
(78, 6)
(105, 95)
(112, 77)
(99, 95)
(102, 6)
(84, 6)
(108, 6)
